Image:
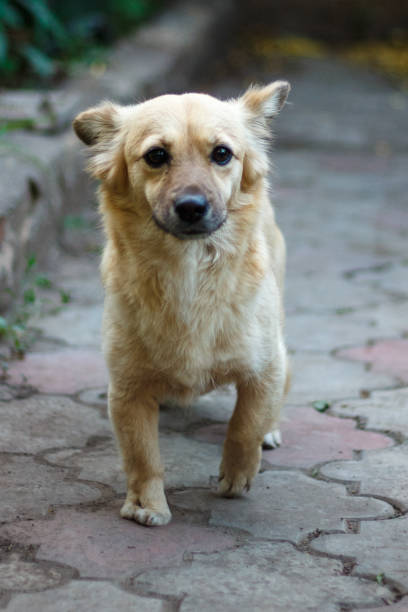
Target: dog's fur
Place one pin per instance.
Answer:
(185, 313)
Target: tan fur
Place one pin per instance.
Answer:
(184, 316)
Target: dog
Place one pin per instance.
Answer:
(193, 271)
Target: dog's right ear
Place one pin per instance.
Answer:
(97, 124)
(100, 129)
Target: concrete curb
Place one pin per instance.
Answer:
(41, 171)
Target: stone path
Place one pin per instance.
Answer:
(324, 526)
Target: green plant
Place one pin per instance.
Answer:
(15, 331)
(29, 33)
(41, 38)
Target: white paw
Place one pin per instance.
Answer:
(273, 439)
(144, 516)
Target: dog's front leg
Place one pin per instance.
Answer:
(135, 419)
(256, 412)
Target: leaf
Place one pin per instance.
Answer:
(44, 17)
(321, 405)
(130, 9)
(9, 15)
(41, 63)
(3, 326)
(43, 282)
(75, 222)
(3, 44)
(7, 125)
(10, 65)
(31, 261)
(65, 296)
(17, 329)
(29, 296)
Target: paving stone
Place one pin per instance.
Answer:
(96, 397)
(339, 119)
(389, 319)
(316, 376)
(66, 371)
(391, 278)
(99, 462)
(187, 463)
(383, 473)
(19, 575)
(386, 357)
(326, 331)
(79, 276)
(5, 393)
(40, 422)
(324, 240)
(341, 379)
(283, 504)
(309, 437)
(76, 326)
(215, 406)
(384, 410)
(401, 606)
(100, 544)
(30, 488)
(86, 595)
(380, 547)
(339, 293)
(261, 576)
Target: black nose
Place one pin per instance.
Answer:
(191, 207)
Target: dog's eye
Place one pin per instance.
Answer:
(221, 155)
(156, 157)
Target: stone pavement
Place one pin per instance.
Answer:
(324, 526)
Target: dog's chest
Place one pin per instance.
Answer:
(203, 331)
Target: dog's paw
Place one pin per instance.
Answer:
(238, 467)
(273, 439)
(233, 486)
(144, 516)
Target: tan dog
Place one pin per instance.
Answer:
(193, 272)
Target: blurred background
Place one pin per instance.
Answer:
(43, 41)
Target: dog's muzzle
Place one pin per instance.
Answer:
(191, 216)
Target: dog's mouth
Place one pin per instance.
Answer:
(189, 233)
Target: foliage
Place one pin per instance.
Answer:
(28, 31)
(39, 38)
(289, 46)
(390, 57)
(15, 332)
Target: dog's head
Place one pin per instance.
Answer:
(185, 159)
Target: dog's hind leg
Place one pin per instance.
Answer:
(256, 414)
(135, 419)
(273, 438)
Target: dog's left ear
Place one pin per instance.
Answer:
(260, 104)
(265, 102)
